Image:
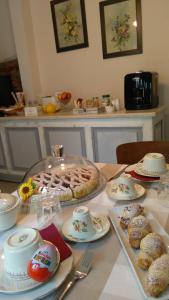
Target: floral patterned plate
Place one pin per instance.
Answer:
(113, 192)
(103, 222)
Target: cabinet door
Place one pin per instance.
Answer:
(72, 139)
(105, 141)
(24, 147)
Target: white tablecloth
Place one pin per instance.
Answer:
(111, 276)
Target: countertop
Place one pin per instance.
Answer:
(69, 115)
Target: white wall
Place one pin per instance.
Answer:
(84, 72)
(7, 44)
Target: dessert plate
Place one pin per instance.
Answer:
(12, 288)
(101, 219)
(113, 192)
(141, 171)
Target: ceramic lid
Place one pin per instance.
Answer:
(7, 201)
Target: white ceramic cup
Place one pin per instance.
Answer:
(109, 109)
(116, 104)
(82, 226)
(126, 187)
(154, 162)
(18, 250)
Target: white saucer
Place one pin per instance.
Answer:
(143, 178)
(33, 289)
(103, 222)
(113, 194)
(130, 168)
(141, 171)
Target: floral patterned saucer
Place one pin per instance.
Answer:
(100, 220)
(117, 192)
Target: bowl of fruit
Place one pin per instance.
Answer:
(64, 99)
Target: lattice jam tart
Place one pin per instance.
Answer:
(75, 182)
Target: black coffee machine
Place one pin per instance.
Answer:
(141, 90)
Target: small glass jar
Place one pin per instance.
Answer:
(106, 100)
(96, 102)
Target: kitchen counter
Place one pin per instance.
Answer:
(70, 115)
(26, 140)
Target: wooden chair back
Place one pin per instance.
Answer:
(131, 153)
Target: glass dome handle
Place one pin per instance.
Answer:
(57, 150)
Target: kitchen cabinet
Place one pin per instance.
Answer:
(26, 140)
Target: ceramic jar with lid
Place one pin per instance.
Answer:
(105, 100)
(9, 209)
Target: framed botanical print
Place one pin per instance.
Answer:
(69, 23)
(121, 27)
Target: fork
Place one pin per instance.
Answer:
(80, 272)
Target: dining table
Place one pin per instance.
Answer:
(111, 276)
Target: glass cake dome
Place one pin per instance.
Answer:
(71, 178)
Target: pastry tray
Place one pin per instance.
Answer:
(132, 254)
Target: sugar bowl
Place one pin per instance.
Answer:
(9, 209)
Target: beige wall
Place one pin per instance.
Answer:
(7, 45)
(84, 71)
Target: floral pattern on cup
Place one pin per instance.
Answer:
(124, 188)
(79, 226)
(83, 225)
(98, 224)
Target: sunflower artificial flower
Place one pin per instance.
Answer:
(26, 190)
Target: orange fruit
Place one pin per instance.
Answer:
(50, 108)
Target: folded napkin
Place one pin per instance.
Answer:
(141, 177)
(52, 235)
(109, 171)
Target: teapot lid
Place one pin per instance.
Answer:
(7, 201)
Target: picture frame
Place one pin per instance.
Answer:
(121, 27)
(69, 23)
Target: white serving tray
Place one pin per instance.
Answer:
(132, 254)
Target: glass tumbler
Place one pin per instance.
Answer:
(49, 210)
(163, 189)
